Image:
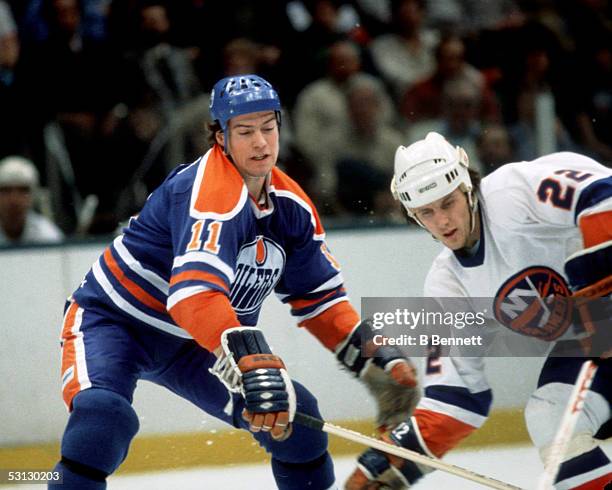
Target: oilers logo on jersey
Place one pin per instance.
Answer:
(259, 266)
(532, 303)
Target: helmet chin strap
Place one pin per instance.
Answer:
(226, 144)
(473, 203)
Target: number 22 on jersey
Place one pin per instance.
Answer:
(212, 242)
(560, 196)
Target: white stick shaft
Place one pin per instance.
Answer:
(416, 457)
(568, 422)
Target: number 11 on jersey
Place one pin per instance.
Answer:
(212, 242)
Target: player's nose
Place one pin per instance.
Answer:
(442, 219)
(258, 139)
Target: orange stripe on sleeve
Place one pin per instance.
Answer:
(199, 276)
(441, 432)
(69, 320)
(596, 228)
(298, 304)
(69, 361)
(205, 316)
(69, 357)
(134, 289)
(333, 325)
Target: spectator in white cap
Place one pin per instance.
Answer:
(19, 223)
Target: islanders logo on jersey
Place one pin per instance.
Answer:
(535, 302)
(258, 269)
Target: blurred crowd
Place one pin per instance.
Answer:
(104, 97)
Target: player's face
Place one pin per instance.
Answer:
(253, 144)
(448, 220)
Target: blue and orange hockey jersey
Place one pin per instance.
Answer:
(202, 256)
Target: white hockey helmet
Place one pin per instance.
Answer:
(428, 170)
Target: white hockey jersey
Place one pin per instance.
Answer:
(529, 214)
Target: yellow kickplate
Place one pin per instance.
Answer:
(230, 447)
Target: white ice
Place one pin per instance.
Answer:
(517, 465)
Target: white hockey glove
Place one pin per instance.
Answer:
(388, 375)
(247, 366)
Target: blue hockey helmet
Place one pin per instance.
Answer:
(242, 94)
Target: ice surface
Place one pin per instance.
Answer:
(518, 465)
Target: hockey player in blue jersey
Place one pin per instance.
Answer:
(175, 300)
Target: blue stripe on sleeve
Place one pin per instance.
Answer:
(479, 403)
(593, 194)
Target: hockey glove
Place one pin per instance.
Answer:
(248, 366)
(377, 470)
(387, 374)
(590, 276)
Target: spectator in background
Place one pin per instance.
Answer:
(243, 55)
(9, 42)
(165, 75)
(306, 56)
(36, 26)
(11, 106)
(460, 119)
(72, 81)
(364, 155)
(161, 92)
(494, 147)
(537, 70)
(321, 116)
(424, 99)
(472, 16)
(594, 119)
(19, 223)
(407, 54)
(240, 56)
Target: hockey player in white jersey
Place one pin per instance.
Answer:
(543, 226)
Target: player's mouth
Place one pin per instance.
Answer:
(450, 234)
(260, 158)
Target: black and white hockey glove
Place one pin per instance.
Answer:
(378, 470)
(386, 372)
(589, 272)
(247, 366)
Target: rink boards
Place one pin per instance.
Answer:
(36, 281)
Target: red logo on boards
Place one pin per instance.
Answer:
(535, 302)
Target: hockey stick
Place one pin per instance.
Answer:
(601, 288)
(568, 422)
(317, 424)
